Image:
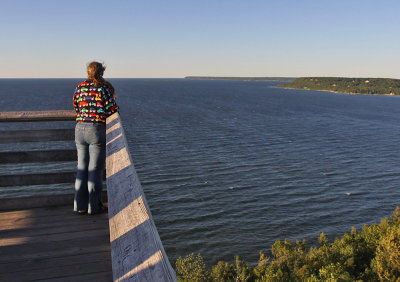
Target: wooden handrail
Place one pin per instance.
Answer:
(24, 116)
(136, 249)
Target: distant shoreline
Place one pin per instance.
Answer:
(337, 92)
(286, 79)
(344, 85)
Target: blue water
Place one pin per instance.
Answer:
(228, 167)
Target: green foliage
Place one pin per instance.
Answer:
(347, 85)
(191, 268)
(223, 271)
(243, 272)
(334, 272)
(372, 254)
(387, 260)
(322, 240)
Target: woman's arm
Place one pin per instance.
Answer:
(110, 103)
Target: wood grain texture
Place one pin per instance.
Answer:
(151, 261)
(116, 137)
(136, 249)
(112, 118)
(37, 179)
(38, 156)
(8, 204)
(112, 128)
(23, 116)
(53, 244)
(127, 219)
(117, 161)
(13, 136)
(48, 243)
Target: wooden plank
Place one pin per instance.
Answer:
(52, 249)
(38, 238)
(34, 264)
(77, 250)
(32, 213)
(46, 221)
(98, 276)
(57, 272)
(24, 116)
(37, 179)
(136, 248)
(38, 156)
(46, 225)
(80, 271)
(48, 201)
(43, 225)
(55, 268)
(13, 136)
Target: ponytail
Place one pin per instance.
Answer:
(95, 71)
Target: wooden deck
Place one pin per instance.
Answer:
(53, 244)
(43, 243)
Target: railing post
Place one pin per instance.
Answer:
(136, 249)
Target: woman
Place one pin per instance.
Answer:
(94, 101)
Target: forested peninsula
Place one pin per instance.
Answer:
(377, 86)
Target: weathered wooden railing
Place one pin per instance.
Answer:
(136, 249)
(36, 156)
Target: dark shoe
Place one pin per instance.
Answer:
(101, 210)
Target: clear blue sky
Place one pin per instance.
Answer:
(175, 38)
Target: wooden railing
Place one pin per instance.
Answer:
(136, 249)
(36, 156)
(24, 116)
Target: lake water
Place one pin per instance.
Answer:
(228, 167)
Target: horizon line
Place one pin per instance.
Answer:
(203, 76)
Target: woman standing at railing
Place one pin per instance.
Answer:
(94, 101)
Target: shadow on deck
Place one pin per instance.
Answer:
(53, 244)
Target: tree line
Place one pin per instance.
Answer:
(372, 254)
(347, 85)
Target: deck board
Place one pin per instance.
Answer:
(53, 244)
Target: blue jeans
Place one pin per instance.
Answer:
(90, 139)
